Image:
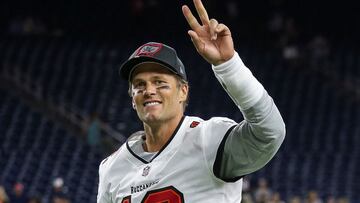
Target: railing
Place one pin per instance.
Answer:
(71, 117)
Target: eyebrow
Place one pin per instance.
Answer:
(159, 77)
(156, 77)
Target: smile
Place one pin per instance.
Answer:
(152, 103)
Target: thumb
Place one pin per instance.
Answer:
(198, 43)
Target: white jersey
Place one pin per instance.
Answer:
(183, 171)
(203, 161)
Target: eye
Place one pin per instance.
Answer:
(159, 82)
(139, 85)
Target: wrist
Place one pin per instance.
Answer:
(224, 58)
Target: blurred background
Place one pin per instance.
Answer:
(63, 107)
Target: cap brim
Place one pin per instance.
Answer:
(127, 67)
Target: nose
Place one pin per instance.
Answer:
(150, 90)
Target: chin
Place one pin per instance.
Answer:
(150, 118)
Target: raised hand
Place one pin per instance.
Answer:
(212, 40)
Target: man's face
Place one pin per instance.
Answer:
(156, 94)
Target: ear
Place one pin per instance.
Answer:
(183, 93)
(133, 104)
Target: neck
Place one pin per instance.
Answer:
(157, 135)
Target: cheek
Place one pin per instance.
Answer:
(174, 99)
(136, 101)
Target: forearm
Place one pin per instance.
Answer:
(253, 142)
(238, 81)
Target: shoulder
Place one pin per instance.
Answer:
(108, 161)
(120, 155)
(215, 126)
(221, 121)
(193, 120)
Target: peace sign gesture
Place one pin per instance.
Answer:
(212, 40)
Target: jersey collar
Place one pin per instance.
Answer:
(138, 136)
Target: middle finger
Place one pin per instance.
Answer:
(201, 12)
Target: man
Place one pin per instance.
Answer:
(181, 158)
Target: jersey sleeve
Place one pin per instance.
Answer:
(103, 195)
(254, 141)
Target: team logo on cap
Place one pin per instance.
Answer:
(149, 49)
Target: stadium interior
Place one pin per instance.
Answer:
(59, 76)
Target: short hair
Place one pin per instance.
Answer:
(180, 82)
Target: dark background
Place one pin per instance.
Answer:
(60, 58)
(163, 18)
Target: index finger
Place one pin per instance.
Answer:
(201, 12)
(194, 24)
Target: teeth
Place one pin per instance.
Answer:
(151, 103)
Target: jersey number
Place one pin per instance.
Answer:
(167, 194)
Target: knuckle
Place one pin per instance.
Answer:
(213, 20)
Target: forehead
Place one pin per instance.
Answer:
(146, 70)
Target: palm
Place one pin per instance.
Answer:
(215, 51)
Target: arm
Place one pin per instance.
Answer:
(253, 142)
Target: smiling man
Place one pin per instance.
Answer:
(178, 158)
(158, 98)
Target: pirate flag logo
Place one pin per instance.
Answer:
(149, 49)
